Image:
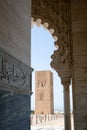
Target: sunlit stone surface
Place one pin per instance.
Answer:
(51, 124)
(47, 128)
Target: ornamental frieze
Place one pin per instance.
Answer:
(14, 74)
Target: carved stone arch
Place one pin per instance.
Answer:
(57, 14)
(48, 27)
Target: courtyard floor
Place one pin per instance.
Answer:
(51, 125)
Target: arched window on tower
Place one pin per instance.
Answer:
(42, 85)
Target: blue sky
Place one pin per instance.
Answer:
(42, 47)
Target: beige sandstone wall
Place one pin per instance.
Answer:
(44, 92)
(15, 28)
(79, 32)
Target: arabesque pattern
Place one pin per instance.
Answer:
(14, 74)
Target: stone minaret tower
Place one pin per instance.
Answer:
(44, 92)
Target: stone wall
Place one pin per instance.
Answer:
(15, 92)
(15, 70)
(15, 28)
(14, 111)
(79, 33)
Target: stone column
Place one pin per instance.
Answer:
(67, 119)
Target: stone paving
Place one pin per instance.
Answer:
(57, 124)
(47, 128)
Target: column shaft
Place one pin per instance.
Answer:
(66, 83)
(67, 109)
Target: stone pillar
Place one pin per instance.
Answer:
(67, 119)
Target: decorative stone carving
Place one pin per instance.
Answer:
(66, 83)
(57, 14)
(15, 74)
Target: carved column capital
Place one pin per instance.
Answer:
(66, 82)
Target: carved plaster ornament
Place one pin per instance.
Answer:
(66, 82)
(16, 75)
(57, 14)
